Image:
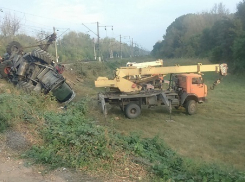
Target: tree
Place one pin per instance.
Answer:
(240, 14)
(219, 9)
(156, 52)
(10, 25)
(239, 53)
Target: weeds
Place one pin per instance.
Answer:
(71, 140)
(167, 165)
(20, 108)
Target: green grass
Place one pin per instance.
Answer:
(215, 133)
(71, 139)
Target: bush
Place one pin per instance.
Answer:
(71, 140)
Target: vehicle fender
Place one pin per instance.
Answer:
(185, 95)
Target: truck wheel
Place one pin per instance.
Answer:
(43, 55)
(27, 87)
(13, 47)
(191, 107)
(5, 68)
(132, 111)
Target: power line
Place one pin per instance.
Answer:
(30, 14)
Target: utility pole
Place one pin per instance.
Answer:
(121, 46)
(94, 49)
(110, 50)
(98, 35)
(132, 47)
(55, 45)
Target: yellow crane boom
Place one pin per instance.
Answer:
(128, 79)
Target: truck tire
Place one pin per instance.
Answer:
(132, 111)
(191, 107)
(13, 47)
(27, 87)
(5, 67)
(42, 55)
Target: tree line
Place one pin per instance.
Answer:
(72, 46)
(217, 35)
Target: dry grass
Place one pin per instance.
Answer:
(122, 169)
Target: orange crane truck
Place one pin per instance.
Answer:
(133, 87)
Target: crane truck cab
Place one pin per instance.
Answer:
(191, 90)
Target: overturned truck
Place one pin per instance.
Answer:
(35, 71)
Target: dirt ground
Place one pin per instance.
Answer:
(14, 169)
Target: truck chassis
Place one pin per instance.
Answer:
(131, 104)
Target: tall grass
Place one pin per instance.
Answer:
(16, 106)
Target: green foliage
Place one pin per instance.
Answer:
(240, 14)
(216, 35)
(221, 37)
(238, 53)
(168, 165)
(75, 46)
(19, 108)
(90, 71)
(72, 140)
(23, 39)
(182, 38)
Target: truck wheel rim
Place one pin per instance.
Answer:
(133, 111)
(192, 107)
(7, 70)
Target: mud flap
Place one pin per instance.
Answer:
(101, 100)
(167, 103)
(164, 99)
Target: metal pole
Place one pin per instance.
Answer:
(98, 34)
(55, 45)
(94, 49)
(132, 47)
(121, 46)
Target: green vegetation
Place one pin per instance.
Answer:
(17, 106)
(74, 46)
(72, 140)
(216, 35)
(208, 146)
(73, 137)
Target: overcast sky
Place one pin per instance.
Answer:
(144, 21)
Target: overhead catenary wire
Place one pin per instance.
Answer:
(39, 28)
(47, 18)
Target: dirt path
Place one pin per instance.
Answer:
(13, 169)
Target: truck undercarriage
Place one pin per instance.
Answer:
(35, 71)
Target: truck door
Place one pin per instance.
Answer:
(198, 87)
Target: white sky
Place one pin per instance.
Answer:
(145, 21)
